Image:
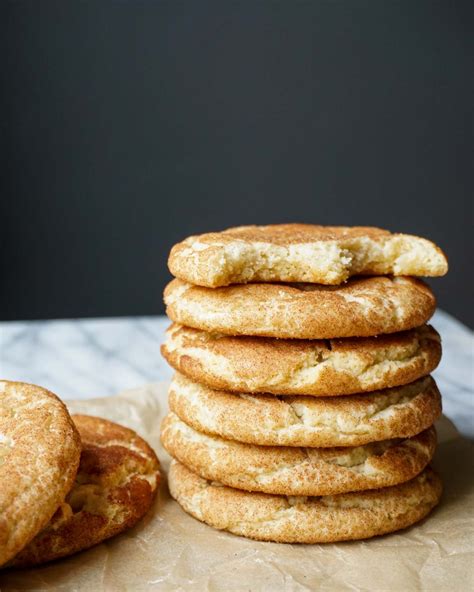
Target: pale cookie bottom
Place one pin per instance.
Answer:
(297, 471)
(344, 517)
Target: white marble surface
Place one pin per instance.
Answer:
(88, 358)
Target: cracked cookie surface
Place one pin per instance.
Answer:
(295, 366)
(297, 471)
(362, 307)
(39, 456)
(287, 519)
(271, 420)
(301, 253)
(115, 486)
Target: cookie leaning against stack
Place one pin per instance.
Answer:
(302, 409)
(115, 486)
(39, 455)
(86, 480)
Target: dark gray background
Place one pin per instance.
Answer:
(129, 125)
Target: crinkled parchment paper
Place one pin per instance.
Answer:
(170, 550)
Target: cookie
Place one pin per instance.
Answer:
(268, 420)
(39, 456)
(300, 519)
(116, 484)
(363, 307)
(297, 471)
(295, 366)
(301, 253)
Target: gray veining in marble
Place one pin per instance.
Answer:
(96, 357)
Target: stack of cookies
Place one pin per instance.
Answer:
(302, 409)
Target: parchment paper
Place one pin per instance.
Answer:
(170, 550)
